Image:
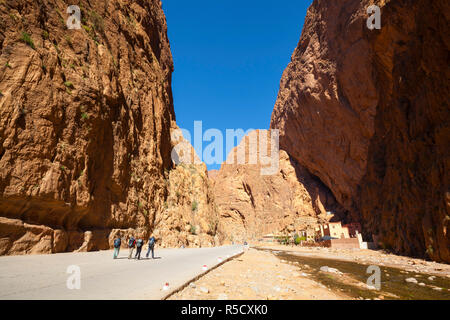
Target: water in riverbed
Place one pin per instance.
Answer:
(353, 281)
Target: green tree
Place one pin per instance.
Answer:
(194, 205)
(297, 239)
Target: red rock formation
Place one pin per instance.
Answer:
(251, 204)
(190, 216)
(85, 118)
(213, 173)
(405, 194)
(327, 101)
(367, 112)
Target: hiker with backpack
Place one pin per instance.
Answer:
(139, 245)
(131, 245)
(151, 246)
(117, 243)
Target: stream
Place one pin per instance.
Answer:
(352, 281)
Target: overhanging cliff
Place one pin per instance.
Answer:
(367, 112)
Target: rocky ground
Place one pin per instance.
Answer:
(256, 275)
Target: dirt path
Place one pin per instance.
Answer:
(256, 275)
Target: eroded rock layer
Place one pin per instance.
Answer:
(327, 100)
(85, 118)
(367, 112)
(405, 194)
(190, 216)
(252, 204)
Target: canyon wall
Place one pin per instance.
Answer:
(85, 125)
(190, 216)
(366, 111)
(327, 100)
(405, 193)
(252, 204)
(87, 129)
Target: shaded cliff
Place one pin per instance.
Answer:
(366, 111)
(85, 119)
(405, 194)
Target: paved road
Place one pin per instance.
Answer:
(45, 276)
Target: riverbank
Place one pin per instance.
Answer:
(257, 275)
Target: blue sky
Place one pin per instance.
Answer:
(229, 57)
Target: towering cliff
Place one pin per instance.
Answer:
(190, 216)
(405, 194)
(85, 122)
(366, 111)
(252, 204)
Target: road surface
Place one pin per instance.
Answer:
(102, 277)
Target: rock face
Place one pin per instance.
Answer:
(251, 204)
(190, 216)
(327, 101)
(85, 120)
(366, 111)
(405, 194)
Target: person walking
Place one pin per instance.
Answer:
(131, 245)
(151, 246)
(117, 243)
(139, 245)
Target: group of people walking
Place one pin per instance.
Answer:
(135, 244)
